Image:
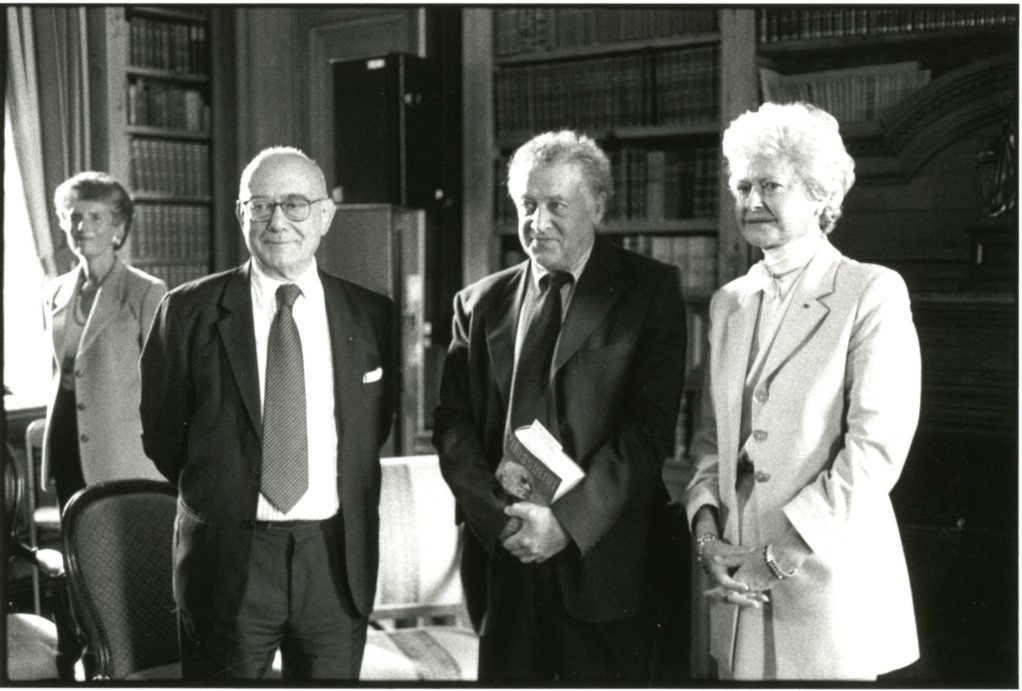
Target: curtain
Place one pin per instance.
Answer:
(23, 102)
(48, 93)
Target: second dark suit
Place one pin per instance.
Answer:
(618, 375)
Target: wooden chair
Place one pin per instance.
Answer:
(117, 540)
(44, 523)
(419, 625)
(31, 639)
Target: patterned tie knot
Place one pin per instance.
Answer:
(558, 279)
(287, 293)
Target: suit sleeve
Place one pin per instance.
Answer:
(164, 373)
(882, 390)
(704, 487)
(458, 438)
(150, 301)
(633, 454)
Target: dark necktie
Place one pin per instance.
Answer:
(532, 373)
(285, 436)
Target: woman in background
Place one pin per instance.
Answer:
(98, 314)
(809, 410)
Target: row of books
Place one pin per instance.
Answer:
(657, 184)
(169, 231)
(525, 30)
(857, 94)
(791, 24)
(168, 46)
(688, 85)
(175, 274)
(694, 255)
(158, 104)
(169, 167)
(673, 87)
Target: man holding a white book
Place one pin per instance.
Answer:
(558, 405)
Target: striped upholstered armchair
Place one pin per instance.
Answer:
(419, 626)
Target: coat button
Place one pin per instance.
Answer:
(81, 406)
(79, 372)
(760, 435)
(84, 437)
(761, 396)
(762, 476)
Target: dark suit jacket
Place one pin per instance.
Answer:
(202, 422)
(619, 368)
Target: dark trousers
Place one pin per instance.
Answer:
(64, 453)
(529, 637)
(65, 458)
(296, 599)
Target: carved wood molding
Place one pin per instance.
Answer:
(947, 109)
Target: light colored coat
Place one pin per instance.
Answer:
(838, 401)
(108, 390)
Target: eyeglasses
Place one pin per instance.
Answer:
(295, 207)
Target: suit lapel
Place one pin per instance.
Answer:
(598, 289)
(109, 298)
(806, 310)
(60, 302)
(346, 329)
(502, 328)
(237, 332)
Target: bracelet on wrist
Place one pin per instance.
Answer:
(701, 542)
(775, 568)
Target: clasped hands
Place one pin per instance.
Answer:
(533, 534)
(740, 574)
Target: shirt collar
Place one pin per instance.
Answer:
(266, 286)
(576, 270)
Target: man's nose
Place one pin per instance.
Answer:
(541, 219)
(277, 220)
(755, 199)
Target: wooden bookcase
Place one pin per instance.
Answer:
(159, 92)
(921, 92)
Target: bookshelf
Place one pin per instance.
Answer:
(160, 90)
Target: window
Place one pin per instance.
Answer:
(27, 354)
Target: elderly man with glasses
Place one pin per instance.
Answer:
(267, 391)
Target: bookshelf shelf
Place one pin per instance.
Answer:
(169, 75)
(163, 13)
(166, 133)
(170, 197)
(816, 46)
(610, 49)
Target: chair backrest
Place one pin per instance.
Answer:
(14, 490)
(118, 541)
(419, 541)
(34, 447)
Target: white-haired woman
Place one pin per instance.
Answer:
(810, 406)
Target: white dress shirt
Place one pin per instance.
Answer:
(320, 500)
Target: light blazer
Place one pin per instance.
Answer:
(840, 391)
(202, 427)
(619, 369)
(108, 388)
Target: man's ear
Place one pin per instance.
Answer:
(237, 213)
(328, 211)
(600, 207)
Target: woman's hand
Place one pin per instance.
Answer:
(752, 570)
(715, 559)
